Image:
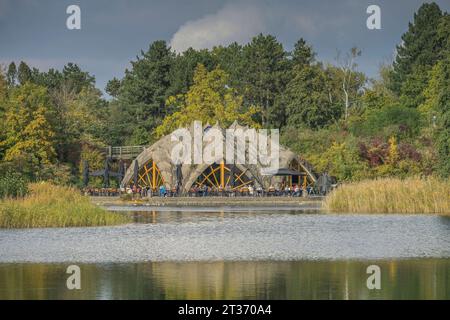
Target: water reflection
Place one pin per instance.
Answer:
(400, 279)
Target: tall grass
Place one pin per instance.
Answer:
(48, 205)
(391, 195)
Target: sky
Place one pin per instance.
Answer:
(114, 32)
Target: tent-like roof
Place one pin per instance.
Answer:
(160, 153)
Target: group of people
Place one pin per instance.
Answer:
(250, 190)
(162, 191)
(294, 190)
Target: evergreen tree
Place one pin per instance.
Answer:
(75, 78)
(231, 60)
(420, 45)
(303, 53)
(265, 77)
(143, 92)
(182, 71)
(24, 73)
(307, 101)
(113, 87)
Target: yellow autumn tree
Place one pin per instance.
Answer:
(209, 100)
(29, 136)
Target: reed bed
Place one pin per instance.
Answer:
(48, 205)
(391, 195)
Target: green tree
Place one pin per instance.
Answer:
(77, 79)
(307, 101)
(23, 73)
(303, 53)
(3, 88)
(3, 96)
(143, 92)
(230, 59)
(437, 107)
(113, 87)
(182, 71)
(52, 80)
(420, 45)
(265, 77)
(11, 74)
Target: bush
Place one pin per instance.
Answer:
(391, 195)
(12, 185)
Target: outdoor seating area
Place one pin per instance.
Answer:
(206, 191)
(101, 192)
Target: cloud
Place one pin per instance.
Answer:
(239, 22)
(233, 23)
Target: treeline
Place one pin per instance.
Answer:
(338, 119)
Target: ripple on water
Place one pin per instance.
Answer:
(201, 236)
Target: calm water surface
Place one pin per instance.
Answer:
(229, 254)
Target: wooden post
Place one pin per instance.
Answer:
(222, 174)
(153, 175)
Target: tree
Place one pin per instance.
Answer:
(3, 88)
(347, 67)
(77, 79)
(52, 80)
(11, 74)
(113, 87)
(302, 54)
(143, 92)
(230, 59)
(209, 100)
(183, 68)
(265, 77)
(24, 73)
(437, 106)
(420, 45)
(3, 96)
(307, 101)
(29, 136)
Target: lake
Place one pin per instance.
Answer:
(211, 253)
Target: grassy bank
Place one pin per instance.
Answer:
(391, 195)
(53, 206)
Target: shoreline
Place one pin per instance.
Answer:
(213, 202)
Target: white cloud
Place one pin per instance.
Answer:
(234, 22)
(241, 21)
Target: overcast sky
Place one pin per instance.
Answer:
(113, 32)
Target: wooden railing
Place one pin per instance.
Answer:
(124, 152)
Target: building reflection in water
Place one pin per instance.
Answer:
(401, 279)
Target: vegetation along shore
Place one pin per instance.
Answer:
(48, 205)
(389, 195)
